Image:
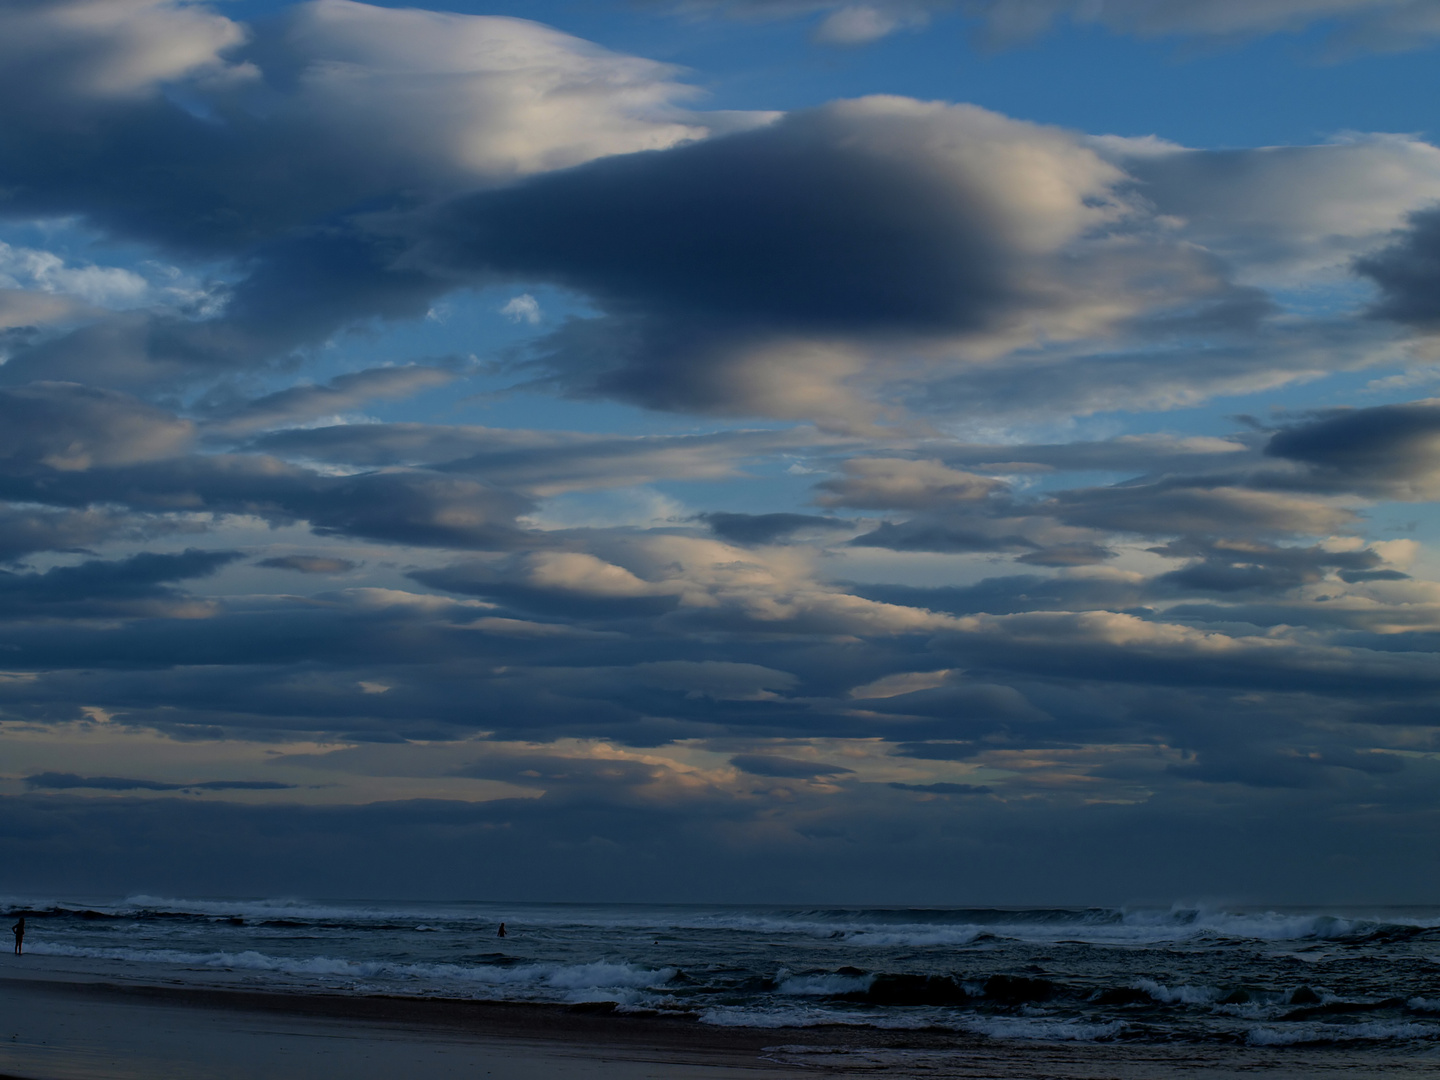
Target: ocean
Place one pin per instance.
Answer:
(1233, 977)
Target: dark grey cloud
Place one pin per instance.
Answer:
(1230, 567)
(769, 528)
(31, 529)
(785, 767)
(1408, 273)
(1221, 506)
(945, 788)
(58, 781)
(309, 564)
(938, 751)
(1293, 767)
(967, 534)
(1386, 451)
(1081, 554)
(410, 506)
(1025, 592)
(137, 586)
(567, 776)
(1125, 648)
(67, 427)
(736, 274)
(742, 226)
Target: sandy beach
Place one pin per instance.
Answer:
(63, 1024)
(58, 1029)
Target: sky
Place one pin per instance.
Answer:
(754, 451)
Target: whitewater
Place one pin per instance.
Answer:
(1238, 977)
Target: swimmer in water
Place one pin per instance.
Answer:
(501, 932)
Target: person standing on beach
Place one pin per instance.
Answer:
(19, 929)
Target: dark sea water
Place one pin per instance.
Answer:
(1239, 978)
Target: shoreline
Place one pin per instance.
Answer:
(59, 1028)
(68, 1025)
(587, 1022)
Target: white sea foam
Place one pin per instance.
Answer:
(1011, 1027)
(808, 1016)
(572, 979)
(1370, 1031)
(858, 927)
(770, 967)
(1178, 995)
(822, 985)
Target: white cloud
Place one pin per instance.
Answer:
(523, 308)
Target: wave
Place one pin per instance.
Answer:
(876, 928)
(569, 979)
(800, 1016)
(1015, 1027)
(1369, 1031)
(826, 985)
(1177, 995)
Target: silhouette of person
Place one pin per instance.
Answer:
(19, 929)
(501, 932)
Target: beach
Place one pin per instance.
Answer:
(56, 1027)
(60, 1023)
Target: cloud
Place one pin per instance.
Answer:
(309, 564)
(1183, 506)
(299, 403)
(1131, 454)
(135, 586)
(899, 484)
(523, 308)
(540, 463)
(31, 529)
(1286, 212)
(784, 767)
(22, 311)
(70, 428)
(769, 528)
(945, 788)
(1387, 451)
(399, 506)
(1249, 566)
(1192, 625)
(48, 274)
(58, 781)
(860, 24)
(369, 106)
(364, 101)
(735, 273)
(1408, 273)
(1383, 25)
(79, 52)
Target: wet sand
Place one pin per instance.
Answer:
(56, 1030)
(58, 1025)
